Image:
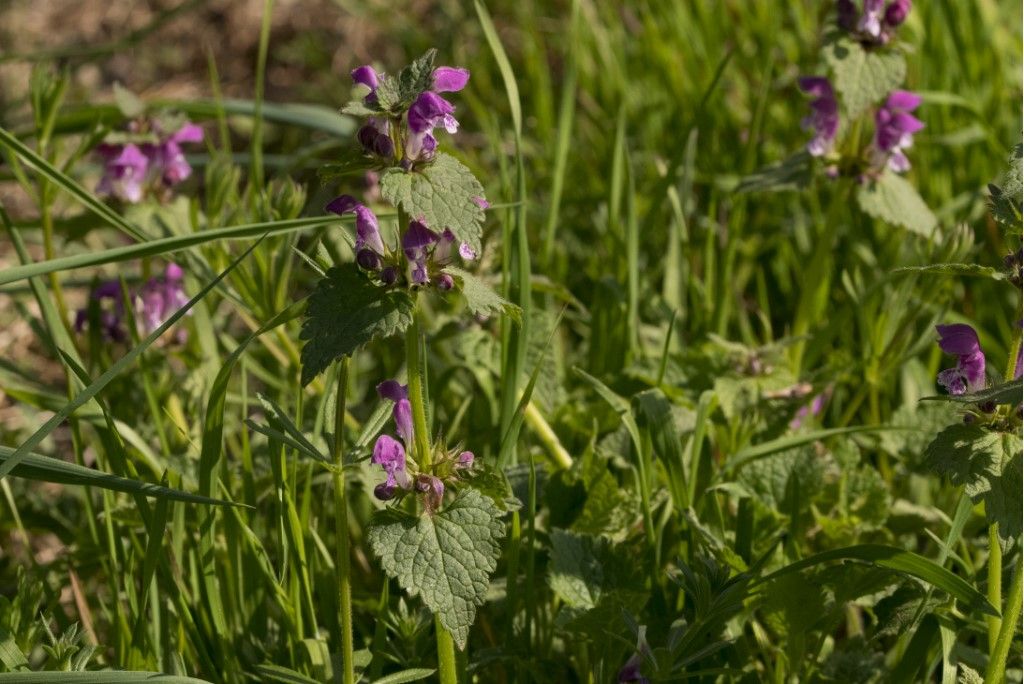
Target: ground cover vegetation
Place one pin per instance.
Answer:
(578, 341)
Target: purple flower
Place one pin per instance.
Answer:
(870, 21)
(443, 251)
(429, 111)
(124, 172)
(897, 11)
(402, 413)
(961, 340)
(110, 315)
(630, 672)
(169, 157)
(874, 21)
(895, 127)
(375, 137)
(465, 460)
(433, 490)
(824, 117)
(390, 455)
(449, 79)
(159, 298)
(415, 243)
(445, 282)
(810, 410)
(367, 76)
(367, 229)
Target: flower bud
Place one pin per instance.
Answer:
(368, 259)
(389, 276)
(445, 282)
(384, 491)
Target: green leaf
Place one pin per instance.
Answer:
(863, 77)
(893, 199)
(955, 270)
(446, 558)
(103, 677)
(345, 312)
(793, 173)
(481, 300)
(279, 673)
(988, 465)
(901, 561)
(166, 245)
(1006, 198)
(414, 674)
(417, 77)
(793, 604)
(442, 194)
(46, 469)
(128, 102)
(1007, 393)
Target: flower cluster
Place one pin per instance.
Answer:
(895, 126)
(875, 21)
(390, 454)
(422, 255)
(153, 303)
(968, 376)
(824, 117)
(409, 136)
(148, 158)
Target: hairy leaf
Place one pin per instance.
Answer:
(863, 77)
(481, 300)
(345, 312)
(988, 465)
(893, 199)
(1006, 393)
(955, 270)
(793, 173)
(443, 194)
(1006, 198)
(446, 558)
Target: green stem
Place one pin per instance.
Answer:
(416, 369)
(341, 524)
(1011, 613)
(995, 584)
(445, 654)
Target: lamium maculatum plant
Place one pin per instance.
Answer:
(438, 535)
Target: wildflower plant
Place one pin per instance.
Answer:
(861, 122)
(444, 545)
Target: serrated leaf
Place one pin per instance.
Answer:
(396, 93)
(593, 577)
(793, 173)
(417, 77)
(345, 312)
(443, 195)
(481, 300)
(988, 465)
(893, 199)
(358, 108)
(1007, 393)
(128, 102)
(446, 558)
(863, 77)
(1006, 200)
(954, 270)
